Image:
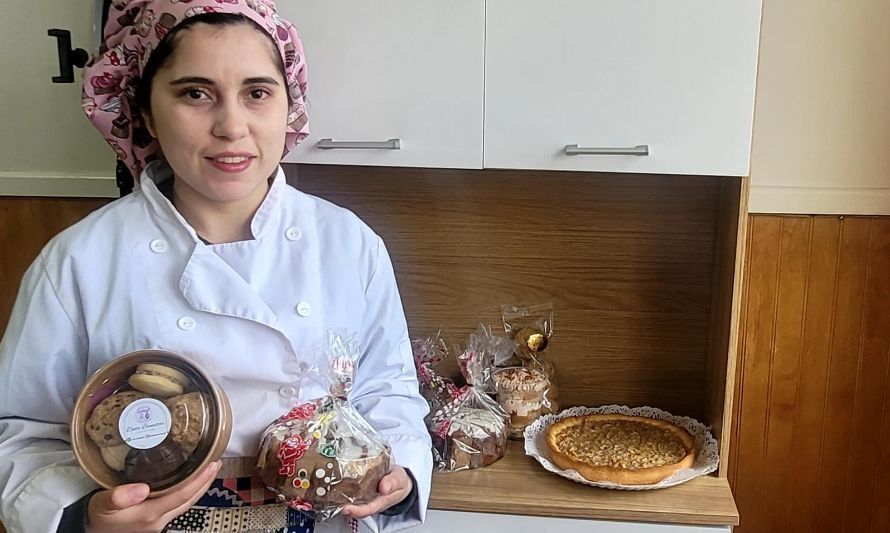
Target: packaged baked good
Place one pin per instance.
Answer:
(522, 393)
(470, 430)
(152, 417)
(484, 352)
(434, 388)
(323, 455)
(531, 329)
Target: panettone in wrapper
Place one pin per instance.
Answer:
(470, 429)
(323, 455)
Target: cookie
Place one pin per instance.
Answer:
(156, 463)
(158, 380)
(115, 456)
(189, 418)
(102, 425)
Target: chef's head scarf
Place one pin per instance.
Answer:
(133, 30)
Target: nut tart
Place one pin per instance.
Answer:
(621, 449)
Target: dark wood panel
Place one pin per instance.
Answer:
(810, 433)
(26, 225)
(627, 260)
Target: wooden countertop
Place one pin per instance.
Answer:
(519, 485)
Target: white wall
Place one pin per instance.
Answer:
(42, 128)
(821, 140)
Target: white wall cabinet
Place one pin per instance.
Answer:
(460, 84)
(451, 521)
(410, 70)
(675, 76)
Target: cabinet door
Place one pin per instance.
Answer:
(47, 145)
(410, 70)
(451, 521)
(675, 76)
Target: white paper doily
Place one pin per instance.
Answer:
(707, 455)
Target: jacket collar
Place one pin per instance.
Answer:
(264, 220)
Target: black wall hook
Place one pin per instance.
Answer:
(68, 58)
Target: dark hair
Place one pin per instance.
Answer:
(161, 55)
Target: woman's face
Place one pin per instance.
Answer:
(219, 110)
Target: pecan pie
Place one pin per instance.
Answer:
(629, 450)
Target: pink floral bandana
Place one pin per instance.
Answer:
(133, 30)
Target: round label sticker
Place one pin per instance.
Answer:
(145, 423)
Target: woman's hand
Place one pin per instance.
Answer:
(125, 508)
(393, 488)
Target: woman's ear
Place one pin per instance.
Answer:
(146, 118)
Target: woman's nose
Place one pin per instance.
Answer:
(230, 121)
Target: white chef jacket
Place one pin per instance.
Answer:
(254, 314)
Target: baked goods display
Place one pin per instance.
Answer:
(152, 417)
(620, 449)
(323, 455)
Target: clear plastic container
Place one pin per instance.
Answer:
(522, 393)
(149, 417)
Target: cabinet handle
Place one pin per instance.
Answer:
(574, 149)
(68, 58)
(330, 144)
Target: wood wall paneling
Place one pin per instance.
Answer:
(811, 430)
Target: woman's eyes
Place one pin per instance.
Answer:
(259, 94)
(197, 94)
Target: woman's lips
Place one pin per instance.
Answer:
(231, 163)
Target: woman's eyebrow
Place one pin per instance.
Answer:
(260, 79)
(192, 79)
(186, 80)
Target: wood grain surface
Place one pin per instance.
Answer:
(26, 225)
(517, 484)
(628, 262)
(811, 434)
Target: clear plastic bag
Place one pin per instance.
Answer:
(434, 388)
(530, 389)
(469, 430)
(323, 455)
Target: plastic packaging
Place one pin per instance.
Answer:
(323, 455)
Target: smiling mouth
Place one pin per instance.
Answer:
(231, 163)
(230, 159)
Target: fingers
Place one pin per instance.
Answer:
(170, 515)
(392, 489)
(181, 496)
(119, 498)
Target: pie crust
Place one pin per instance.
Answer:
(621, 449)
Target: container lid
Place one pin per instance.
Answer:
(148, 417)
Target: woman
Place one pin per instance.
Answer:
(215, 257)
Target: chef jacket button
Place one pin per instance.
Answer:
(288, 391)
(304, 309)
(158, 246)
(186, 323)
(293, 234)
(304, 367)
